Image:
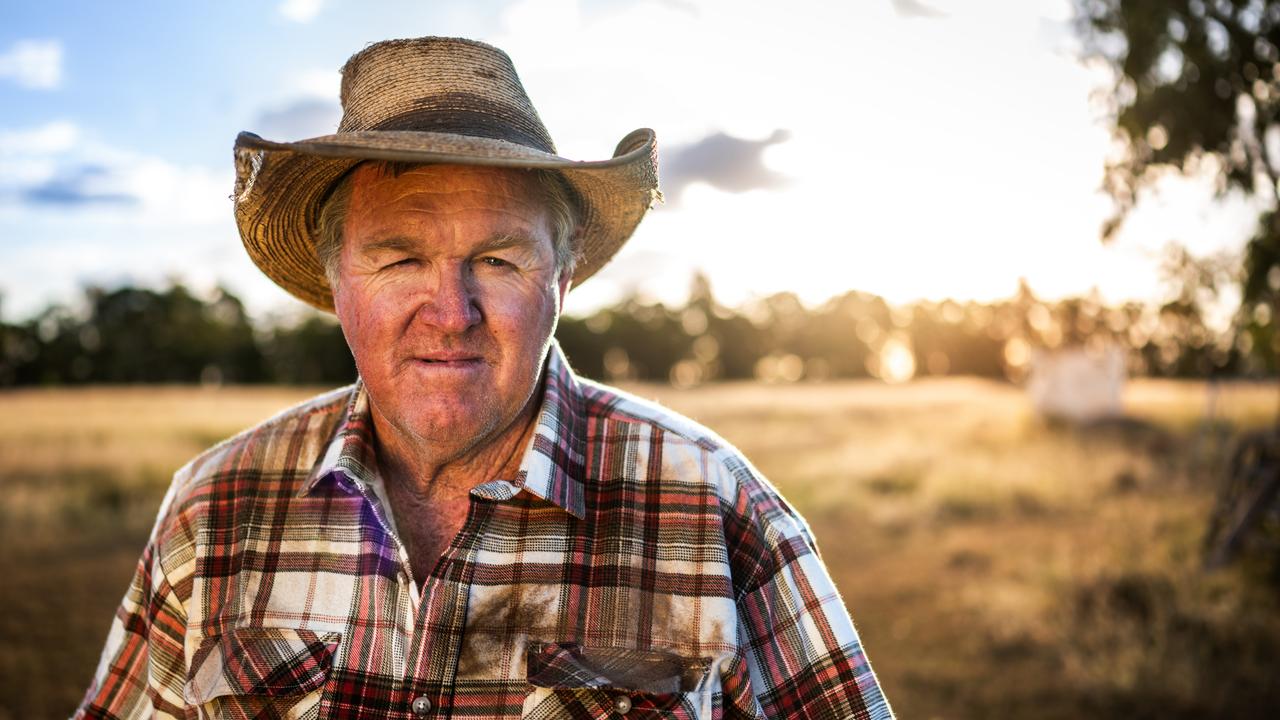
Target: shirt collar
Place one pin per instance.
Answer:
(552, 467)
(349, 456)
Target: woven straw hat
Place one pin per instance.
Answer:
(436, 100)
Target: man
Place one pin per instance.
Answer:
(470, 530)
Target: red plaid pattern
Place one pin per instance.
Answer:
(636, 563)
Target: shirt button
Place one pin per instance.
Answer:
(422, 705)
(622, 704)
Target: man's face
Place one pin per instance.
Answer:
(447, 293)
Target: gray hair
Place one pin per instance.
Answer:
(555, 195)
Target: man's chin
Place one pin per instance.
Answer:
(448, 423)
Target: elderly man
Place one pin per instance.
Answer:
(470, 530)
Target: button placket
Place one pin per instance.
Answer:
(443, 604)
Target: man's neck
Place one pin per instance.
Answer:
(433, 470)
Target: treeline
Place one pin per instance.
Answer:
(141, 335)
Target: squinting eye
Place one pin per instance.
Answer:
(495, 262)
(399, 263)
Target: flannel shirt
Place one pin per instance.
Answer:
(637, 566)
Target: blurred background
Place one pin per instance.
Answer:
(989, 290)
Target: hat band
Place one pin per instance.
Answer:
(470, 122)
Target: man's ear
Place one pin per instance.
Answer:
(564, 284)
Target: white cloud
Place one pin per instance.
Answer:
(316, 83)
(29, 157)
(33, 63)
(56, 169)
(54, 137)
(302, 11)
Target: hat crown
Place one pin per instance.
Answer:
(436, 84)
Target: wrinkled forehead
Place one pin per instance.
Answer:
(385, 195)
(387, 181)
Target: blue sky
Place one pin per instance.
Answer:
(183, 78)
(910, 150)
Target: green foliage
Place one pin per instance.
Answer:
(1194, 80)
(310, 352)
(1197, 88)
(132, 335)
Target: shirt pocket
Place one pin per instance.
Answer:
(571, 680)
(260, 672)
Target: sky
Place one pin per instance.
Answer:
(916, 149)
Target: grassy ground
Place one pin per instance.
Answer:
(996, 565)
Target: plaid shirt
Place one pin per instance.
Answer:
(637, 566)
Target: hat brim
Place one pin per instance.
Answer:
(281, 186)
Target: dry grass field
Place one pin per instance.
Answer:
(997, 566)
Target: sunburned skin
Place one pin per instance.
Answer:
(448, 294)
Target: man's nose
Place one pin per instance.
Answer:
(451, 304)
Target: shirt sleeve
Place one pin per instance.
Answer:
(142, 669)
(800, 656)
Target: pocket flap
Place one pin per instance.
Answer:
(260, 661)
(569, 665)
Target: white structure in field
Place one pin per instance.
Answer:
(1076, 383)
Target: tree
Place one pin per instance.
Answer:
(1196, 89)
(310, 351)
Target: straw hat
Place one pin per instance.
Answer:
(438, 100)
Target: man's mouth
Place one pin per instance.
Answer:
(449, 360)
